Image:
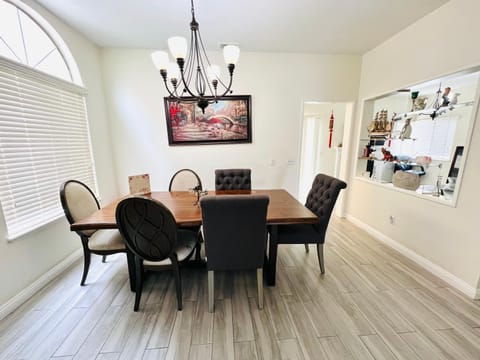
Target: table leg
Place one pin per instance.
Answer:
(272, 255)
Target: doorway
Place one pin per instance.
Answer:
(316, 155)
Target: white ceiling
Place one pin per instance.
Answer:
(309, 26)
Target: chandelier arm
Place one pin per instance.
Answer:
(227, 88)
(202, 50)
(187, 76)
(199, 70)
(191, 65)
(209, 64)
(172, 94)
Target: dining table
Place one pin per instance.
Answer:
(283, 209)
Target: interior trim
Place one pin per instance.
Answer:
(428, 265)
(24, 295)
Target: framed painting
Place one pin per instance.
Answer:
(227, 121)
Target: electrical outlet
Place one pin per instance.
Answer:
(391, 218)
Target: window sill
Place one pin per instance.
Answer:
(30, 230)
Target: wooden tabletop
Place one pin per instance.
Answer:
(282, 209)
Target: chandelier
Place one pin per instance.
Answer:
(194, 78)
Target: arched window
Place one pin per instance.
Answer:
(44, 135)
(24, 41)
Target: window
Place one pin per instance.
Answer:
(434, 138)
(423, 126)
(44, 136)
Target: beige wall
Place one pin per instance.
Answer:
(440, 43)
(278, 83)
(25, 259)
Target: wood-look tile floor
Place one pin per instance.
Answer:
(372, 304)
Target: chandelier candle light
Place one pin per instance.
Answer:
(190, 80)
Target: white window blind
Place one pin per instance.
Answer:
(44, 140)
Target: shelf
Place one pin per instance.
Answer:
(432, 112)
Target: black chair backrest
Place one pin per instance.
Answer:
(184, 180)
(233, 179)
(147, 227)
(322, 197)
(234, 228)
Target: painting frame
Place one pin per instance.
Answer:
(225, 121)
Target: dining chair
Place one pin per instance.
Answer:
(151, 234)
(234, 229)
(185, 180)
(78, 202)
(233, 179)
(321, 200)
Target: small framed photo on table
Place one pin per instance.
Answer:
(139, 184)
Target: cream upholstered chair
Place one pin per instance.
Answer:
(150, 233)
(184, 180)
(78, 202)
(235, 233)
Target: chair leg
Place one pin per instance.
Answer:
(198, 249)
(178, 281)
(131, 269)
(211, 299)
(260, 287)
(138, 282)
(86, 260)
(307, 249)
(104, 258)
(320, 258)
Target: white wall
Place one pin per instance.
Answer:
(24, 260)
(278, 83)
(440, 43)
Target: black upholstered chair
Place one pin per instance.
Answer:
(233, 179)
(184, 180)
(150, 233)
(78, 202)
(234, 229)
(320, 200)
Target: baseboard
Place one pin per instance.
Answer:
(14, 302)
(438, 271)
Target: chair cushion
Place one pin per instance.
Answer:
(186, 241)
(106, 240)
(299, 234)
